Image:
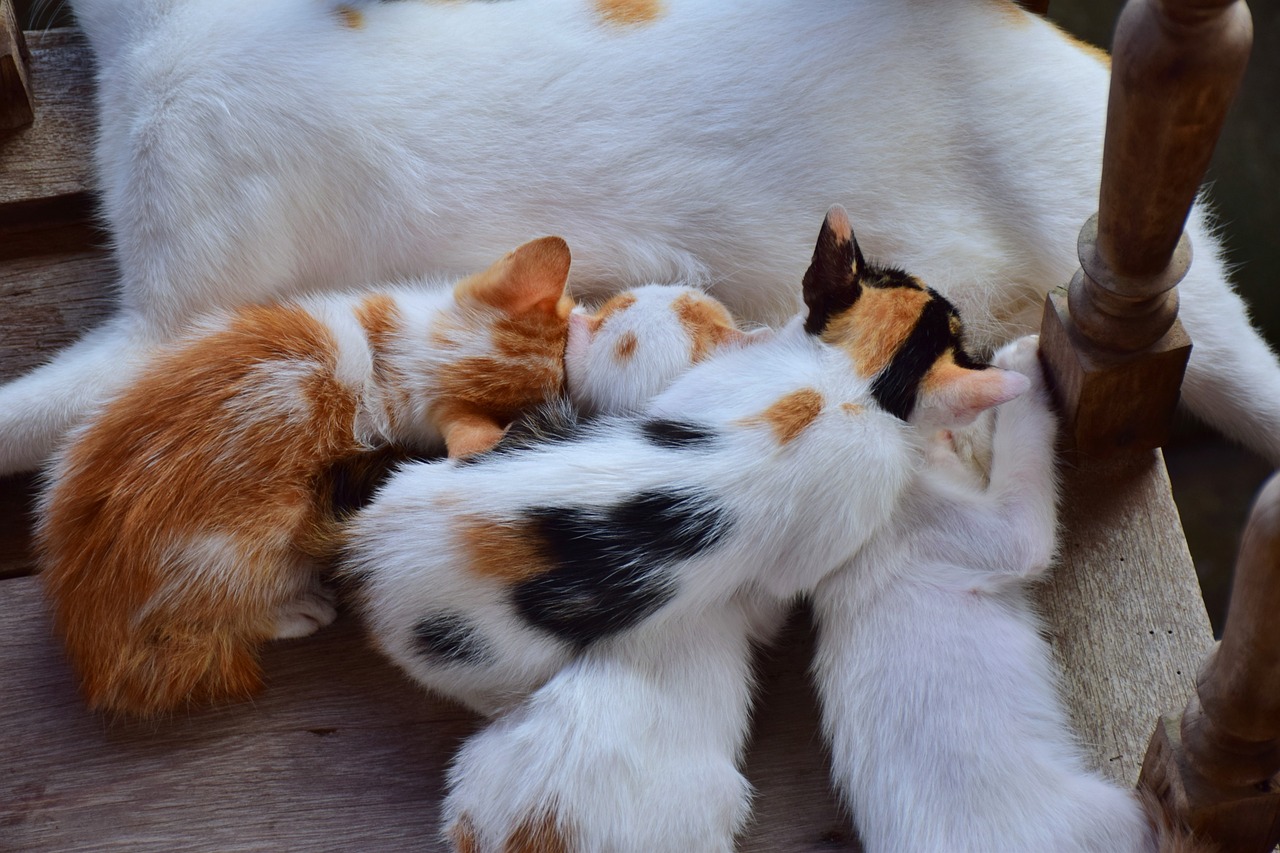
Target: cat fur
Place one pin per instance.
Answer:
(256, 150)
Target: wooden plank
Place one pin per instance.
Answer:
(45, 168)
(339, 753)
(1126, 619)
(15, 60)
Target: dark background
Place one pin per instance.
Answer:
(1213, 481)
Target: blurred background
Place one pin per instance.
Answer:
(1214, 482)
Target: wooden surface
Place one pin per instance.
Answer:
(16, 109)
(341, 753)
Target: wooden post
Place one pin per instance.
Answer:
(1114, 346)
(1216, 769)
(15, 61)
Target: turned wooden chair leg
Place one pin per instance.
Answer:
(1216, 767)
(1114, 346)
(15, 60)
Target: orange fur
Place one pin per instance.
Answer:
(628, 12)
(504, 552)
(537, 834)
(195, 508)
(351, 18)
(790, 415)
(626, 347)
(463, 836)
(147, 622)
(875, 327)
(707, 323)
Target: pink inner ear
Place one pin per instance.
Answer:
(960, 395)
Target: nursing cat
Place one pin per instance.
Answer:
(250, 151)
(184, 523)
(640, 554)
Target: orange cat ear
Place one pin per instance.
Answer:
(952, 396)
(530, 278)
(468, 434)
(833, 281)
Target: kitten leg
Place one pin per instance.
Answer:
(633, 747)
(306, 614)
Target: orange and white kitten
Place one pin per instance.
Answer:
(183, 525)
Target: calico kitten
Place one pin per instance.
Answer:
(182, 526)
(939, 693)
(755, 474)
(684, 144)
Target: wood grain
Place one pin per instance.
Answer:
(1124, 611)
(339, 753)
(15, 60)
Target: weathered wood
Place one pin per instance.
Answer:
(1115, 348)
(16, 108)
(1216, 767)
(45, 169)
(1124, 611)
(339, 753)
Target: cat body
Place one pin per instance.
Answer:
(255, 150)
(620, 572)
(186, 521)
(938, 691)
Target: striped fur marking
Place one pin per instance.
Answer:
(448, 638)
(790, 415)
(676, 434)
(608, 565)
(626, 13)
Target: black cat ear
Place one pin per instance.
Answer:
(831, 284)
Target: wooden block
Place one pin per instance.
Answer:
(1112, 402)
(1241, 820)
(47, 167)
(16, 107)
(1124, 612)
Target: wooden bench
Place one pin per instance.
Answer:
(341, 752)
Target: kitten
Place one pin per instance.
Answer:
(752, 476)
(688, 144)
(939, 694)
(183, 524)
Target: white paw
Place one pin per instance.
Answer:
(547, 778)
(1022, 356)
(305, 615)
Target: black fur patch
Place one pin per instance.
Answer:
(897, 387)
(676, 434)
(609, 565)
(448, 638)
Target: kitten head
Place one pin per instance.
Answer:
(906, 338)
(640, 340)
(519, 309)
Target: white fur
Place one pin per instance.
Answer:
(939, 695)
(256, 149)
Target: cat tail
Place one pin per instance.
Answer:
(1170, 835)
(38, 409)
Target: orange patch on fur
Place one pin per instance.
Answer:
(463, 836)
(629, 12)
(706, 322)
(876, 326)
(790, 415)
(621, 302)
(351, 18)
(1013, 13)
(626, 346)
(379, 316)
(504, 552)
(175, 529)
(852, 409)
(537, 835)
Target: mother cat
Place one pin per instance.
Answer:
(251, 149)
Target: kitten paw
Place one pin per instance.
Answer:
(1022, 356)
(305, 615)
(539, 780)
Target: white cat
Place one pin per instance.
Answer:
(623, 567)
(938, 692)
(257, 149)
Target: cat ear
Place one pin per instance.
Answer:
(831, 284)
(737, 338)
(530, 278)
(468, 434)
(953, 396)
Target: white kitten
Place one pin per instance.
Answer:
(254, 149)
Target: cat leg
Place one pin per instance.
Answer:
(306, 614)
(946, 732)
(635, 746)
(38, 409)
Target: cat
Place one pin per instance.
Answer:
(687, 143)
(182, 525)
(639, 555)
(939, 695)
